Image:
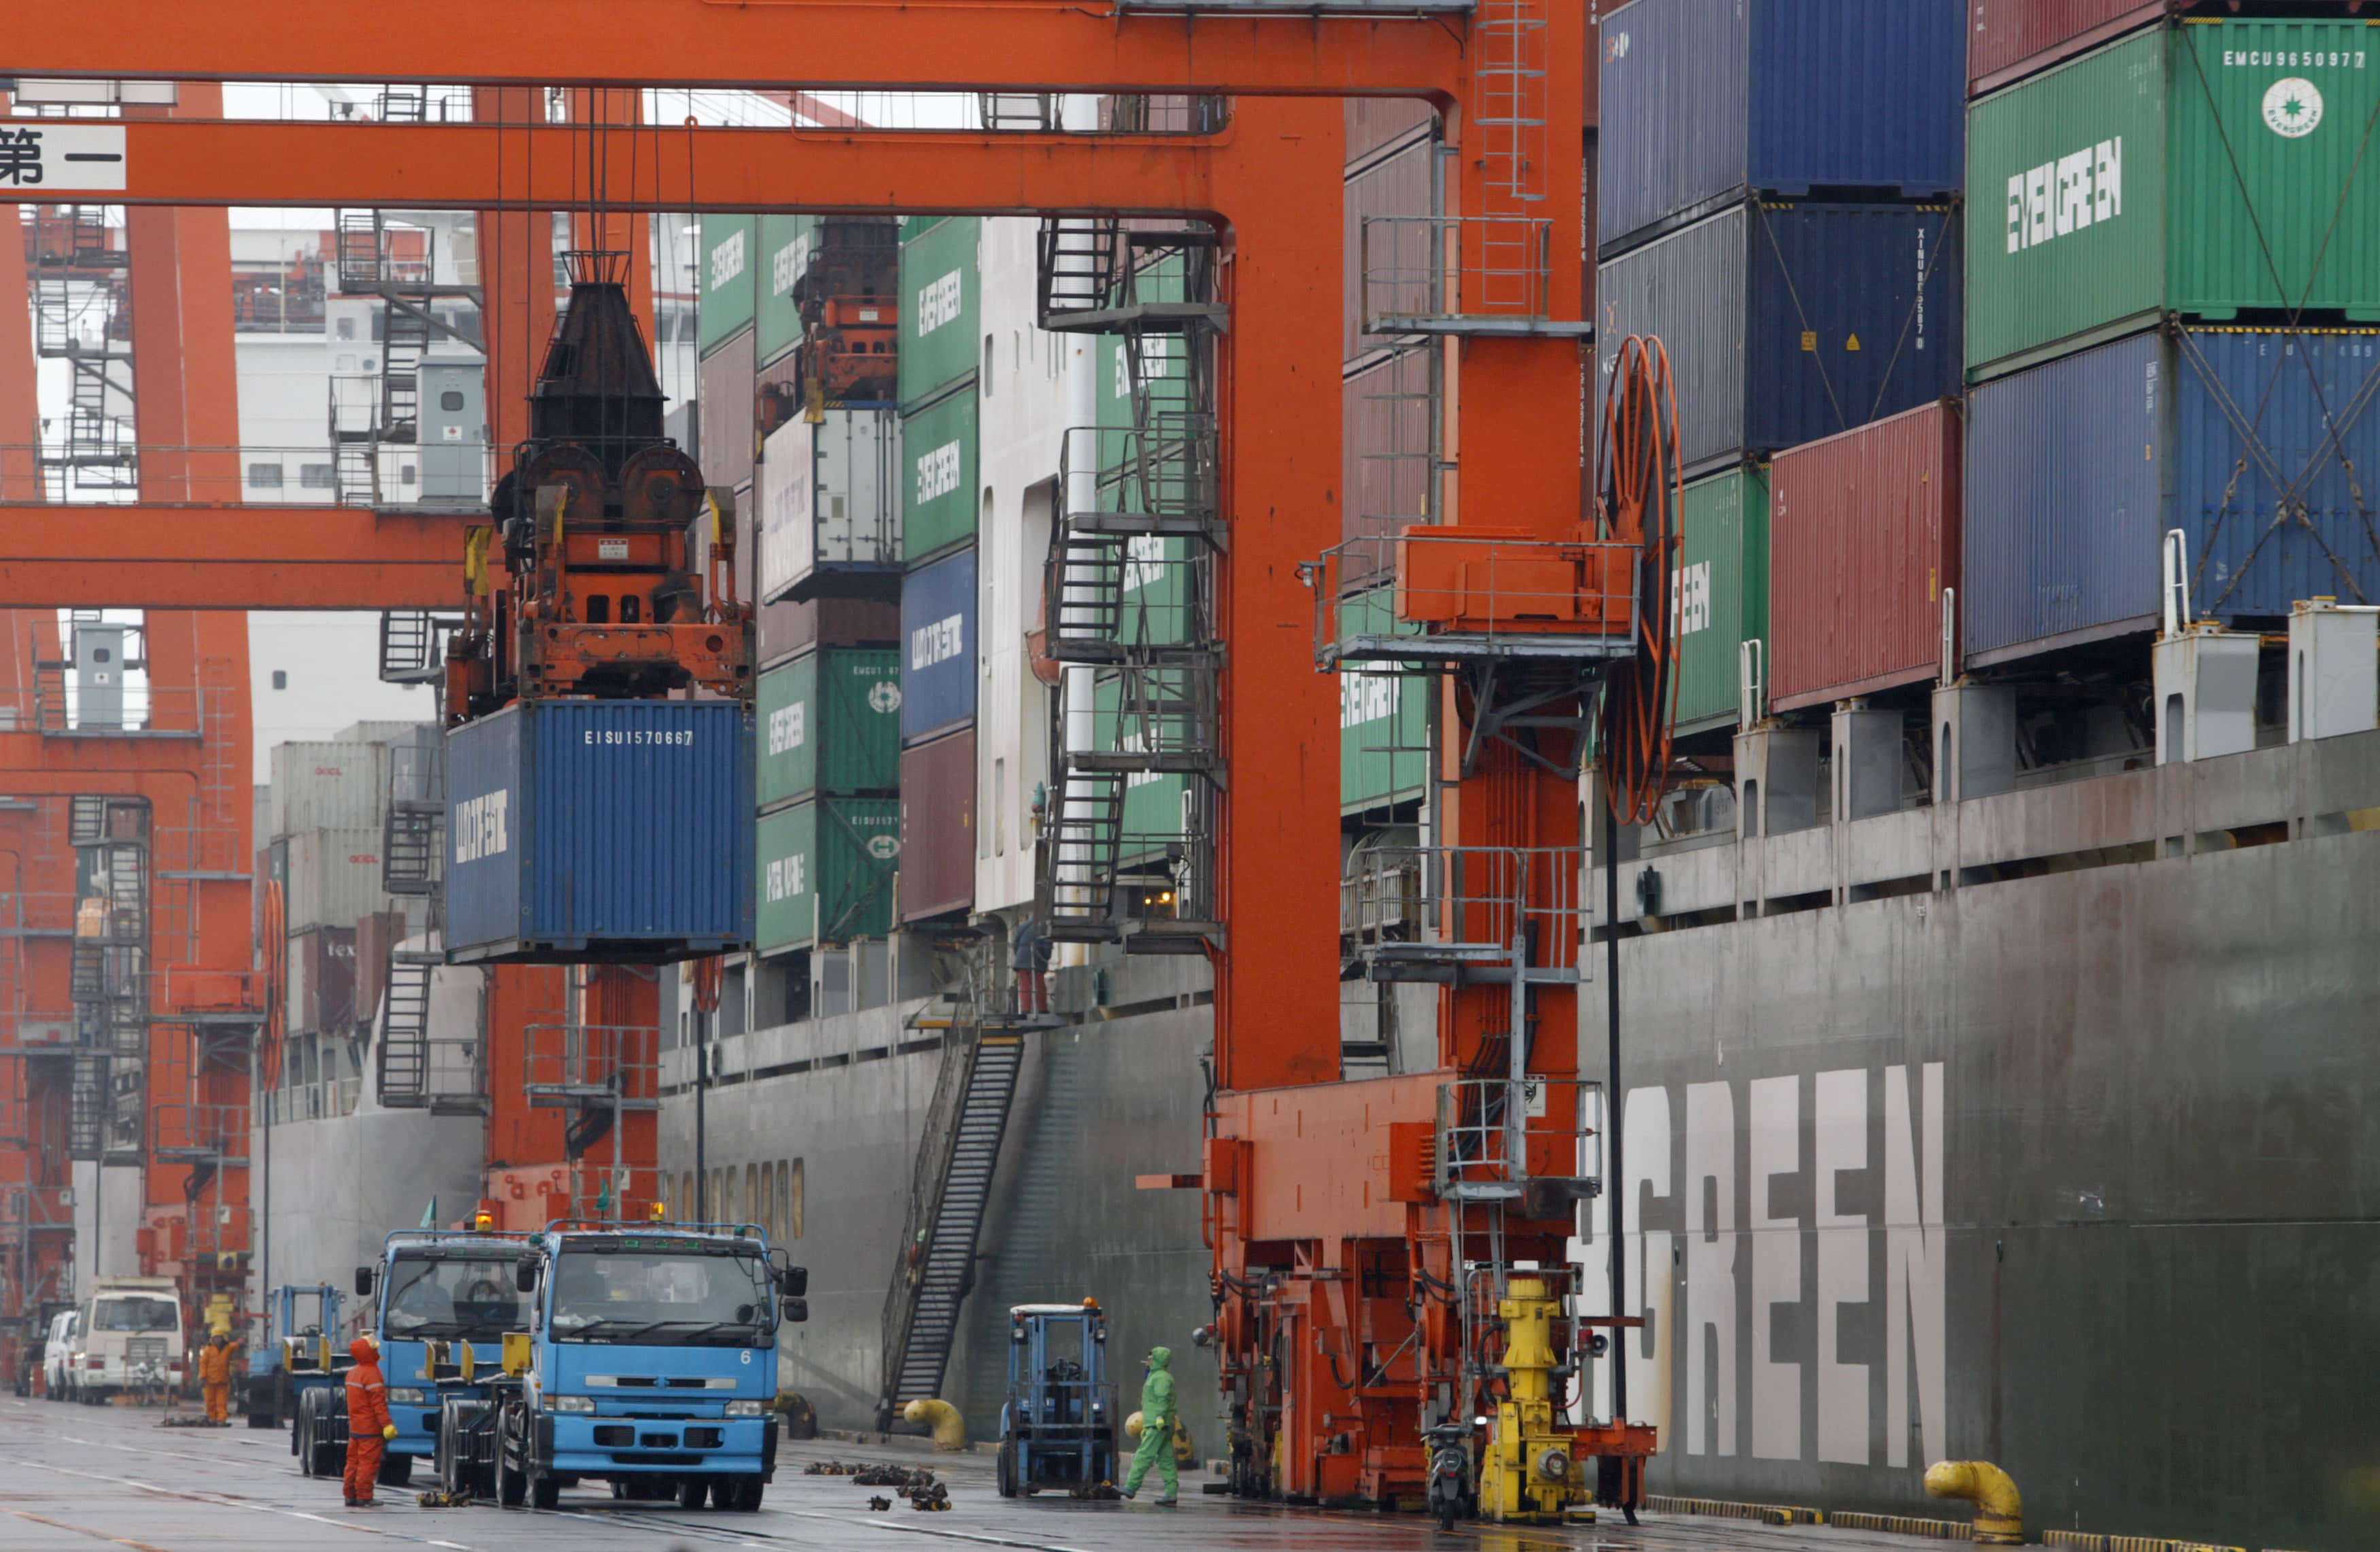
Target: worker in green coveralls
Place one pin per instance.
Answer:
(1157, 1417)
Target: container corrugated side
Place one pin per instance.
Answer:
(1705, 101)
(785, 246)
(1786, 323)
(725, 280)
(830, 499)
(1375, 122)
(334, 878)
(2007, 40)
(938, 648)
(603, 828)
(825, 871)
(1389, 464)
(938, 829)
(1404, 185)
(727, 408)
(327, 787)
(2077, 468)
(1862, 538)
(940, 502)
(830, 720)
(940, 297)
(2214, 171)
(1383, 718)
(1721, 586)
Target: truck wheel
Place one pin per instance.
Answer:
(1007, 1468)
(544, 1491)
(743, 1498)
(692, 1490)
(512, 1488)
(298, 1432)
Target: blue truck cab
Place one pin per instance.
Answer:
(651, 1362)
(451, 1286)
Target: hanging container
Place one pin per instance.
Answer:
(2217, 170)
(1712, 100)
(1786, 323)
(594, 830)
(2255, 444)
(1862, 538)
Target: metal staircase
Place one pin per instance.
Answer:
(413, 646)
(82, 316)
(86, 1106)
(402, 1056)
(1130, 593)
(386, 411)
(948, 1198)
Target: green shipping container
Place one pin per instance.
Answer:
(1383, 717)
(2203, 169)
(825, 872)
(938, 486)
(785, 242)
(1721, 590)
(940, 297)
(830, 722)
(727, 278)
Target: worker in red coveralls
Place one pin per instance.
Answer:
(369, 1428)
(214, 1377)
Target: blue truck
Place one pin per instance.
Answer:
(452, 1287)
(646, 1358)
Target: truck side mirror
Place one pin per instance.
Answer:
(795, 1311)
(525, 1276)
(794, 1281)
(363, 1282)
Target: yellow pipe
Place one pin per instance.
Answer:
(1999, 1510)
(950, 1428)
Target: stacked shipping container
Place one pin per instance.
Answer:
(943, 353)
(2161, 323)
(1777, 188)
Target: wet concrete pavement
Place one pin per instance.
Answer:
(84, 1478)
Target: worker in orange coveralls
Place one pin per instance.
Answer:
(369, 1428)
(215, 1375)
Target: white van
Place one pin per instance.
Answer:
(130, 1337)
(58, 1353)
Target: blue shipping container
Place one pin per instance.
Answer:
(2250, 440)
(938, 647)
(599, 829)
(1786, 323)
(1706, 100)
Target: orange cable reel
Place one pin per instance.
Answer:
(1642, 504)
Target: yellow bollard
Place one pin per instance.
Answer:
(950, 1429)
(1999, 1509)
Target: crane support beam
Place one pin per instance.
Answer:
(227, 557)
(831, 45)
(495, 166)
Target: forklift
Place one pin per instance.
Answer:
(1058, 1426)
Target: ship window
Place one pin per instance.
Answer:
(314, 476)
(264, 477)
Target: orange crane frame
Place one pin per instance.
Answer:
(1295, 1156)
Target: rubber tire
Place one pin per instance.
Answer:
(692, 1491)
(301, 1431)
(396, 1470)
(1006, 1470)
(741, 1495)
(260, 1420)
(544, 1491)
(512, 1488)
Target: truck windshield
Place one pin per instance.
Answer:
(135, 1315)
(661, 1296)
(452, 1298)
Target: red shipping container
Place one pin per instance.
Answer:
(1862, 538)
(2009, 40)
(938, 839)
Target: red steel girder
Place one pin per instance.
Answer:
(496, 166)
(821, 45)
(226, 557)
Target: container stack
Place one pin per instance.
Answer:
(2168, 310)
(1776, 200)
(941, 307)
(1391, 397)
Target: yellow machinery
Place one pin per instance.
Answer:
(1528, 1473)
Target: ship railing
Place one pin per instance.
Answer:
(1495, 1135)
(1429, 594)
(1514, 909)
(1460, 274)
(194, 1132)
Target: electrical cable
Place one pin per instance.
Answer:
(1642, 504)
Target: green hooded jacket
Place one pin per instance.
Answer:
(1157, 1408)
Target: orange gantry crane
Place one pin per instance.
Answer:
(1390, 1254)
